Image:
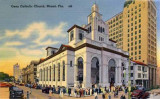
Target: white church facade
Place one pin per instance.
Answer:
(89, 58)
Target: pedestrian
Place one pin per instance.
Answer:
(109, 97)
(27, 94)
(50, 93)
(30, 90)
(103, 96)
(124, 97)
(106, 95)
(96, 97)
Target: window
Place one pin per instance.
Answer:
(44, 75)
(58, 71)
(70, 63)
(139, 31)
(135, 42)
(71, 35)
(135, 27)
(140, 26)
(98, 28)
(131, 67)
(131, 74)
(63, 71)
(47, 74)
(139, 68)
(139, 41)
(139, 75)
(89, 29)
(50, 73)
(103, 30)
(135, 32)
(135, 22)
(135, 53)
(139, 52)
(80, 36)
(53, 72)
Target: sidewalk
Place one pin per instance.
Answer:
(56, 96)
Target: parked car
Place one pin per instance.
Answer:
(139, 94)
(16, 92)
(21, 84)
(45, 90)
(33, 86)
(5, 84)
(136, 94)
(28, 85)
(38, 87)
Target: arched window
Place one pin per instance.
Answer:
(111, 71)
(54, 72)
(58, 71)
(71, 35)
(50, 73)
(95, 70)
(44, 74)
(47, 74)
(63, 71)
(80, 69)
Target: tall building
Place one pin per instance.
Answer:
(16, 72)
(137, 33)
(90, 58)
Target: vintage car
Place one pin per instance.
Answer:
(138, 94)
(16, 92)
(45, 90)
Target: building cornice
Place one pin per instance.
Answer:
(82, 46)
(77, 27)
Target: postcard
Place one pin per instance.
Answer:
(93, 49)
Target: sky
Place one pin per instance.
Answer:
(26, 32)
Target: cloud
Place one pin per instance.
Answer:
(39, 28)
(28, 52)
(6, 53)
(35, 33)
(49, 42)
(15, 43)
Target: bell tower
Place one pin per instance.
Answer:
(98, 26)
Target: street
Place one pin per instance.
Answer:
(37, 94)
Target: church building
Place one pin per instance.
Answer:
(89, 58)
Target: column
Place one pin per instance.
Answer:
(51, 73)
(105, 75)
(75, 75)
(87, 75)
(127, 75)
(116, 75)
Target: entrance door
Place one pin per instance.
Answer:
(111, 71)
(94, 71)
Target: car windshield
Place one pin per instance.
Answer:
(16, 88)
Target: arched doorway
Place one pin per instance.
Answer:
(112, 71)
(80, 70)
(94, 71)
